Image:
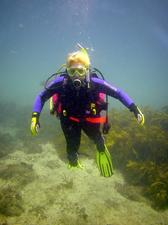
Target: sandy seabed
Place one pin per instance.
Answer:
(52, 194)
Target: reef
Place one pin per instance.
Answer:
(141, 153)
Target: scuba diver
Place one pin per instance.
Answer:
(78, 90)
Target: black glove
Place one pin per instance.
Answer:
(106, 128)
(138, 114)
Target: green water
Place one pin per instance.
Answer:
(128, 43)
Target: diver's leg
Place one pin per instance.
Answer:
(72, 133)
(103, 157)
(94, 133)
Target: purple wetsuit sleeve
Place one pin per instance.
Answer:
(44, 95)
(105, 87)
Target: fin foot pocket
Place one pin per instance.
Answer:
(77, 164)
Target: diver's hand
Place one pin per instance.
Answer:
(138, 114)
(35, 125)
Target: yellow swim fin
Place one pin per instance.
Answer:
(104, 163)
(76, 165)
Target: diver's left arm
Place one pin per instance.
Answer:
(123, 97)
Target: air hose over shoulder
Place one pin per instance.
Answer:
(54, 75)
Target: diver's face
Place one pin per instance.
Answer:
(77, 74)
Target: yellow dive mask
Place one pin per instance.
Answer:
(77, 71)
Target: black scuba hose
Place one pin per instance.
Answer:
(49, 78)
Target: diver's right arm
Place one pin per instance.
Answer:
(40, 100)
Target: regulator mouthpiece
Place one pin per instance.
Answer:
(77, 83)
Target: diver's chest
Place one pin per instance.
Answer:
(75, 98)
